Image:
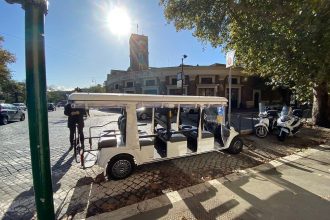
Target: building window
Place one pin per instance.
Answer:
(150, 82)
(206, 92)
(129, 84)
(206, 80)
(151, 91)
(116, 86)
(234, 81)
(173, 81)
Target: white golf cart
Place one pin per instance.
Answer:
(121, 149)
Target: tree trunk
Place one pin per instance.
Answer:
(320, 105)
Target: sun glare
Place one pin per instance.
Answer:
(119, 21)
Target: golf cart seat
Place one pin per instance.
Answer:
(177, 138)
(107, 141)
(146, 141)
(205, 134)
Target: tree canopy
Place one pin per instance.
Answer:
(5, 76)
(287, 41)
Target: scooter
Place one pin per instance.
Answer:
(288, 124)
(266, 124)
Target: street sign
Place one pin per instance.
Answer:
(179, 83)
(179, 76)
(230, 55)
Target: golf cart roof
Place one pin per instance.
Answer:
(145, 100)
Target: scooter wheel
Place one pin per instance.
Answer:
(261, 131)
(281, 136)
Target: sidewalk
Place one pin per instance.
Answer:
(292, 187)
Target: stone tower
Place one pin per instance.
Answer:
(139, 54)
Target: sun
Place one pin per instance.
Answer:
(119, 21)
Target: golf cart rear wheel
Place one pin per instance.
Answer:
(120, 167)
(235, 146)
(22, 117)
(261, 131)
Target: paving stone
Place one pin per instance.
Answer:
(74, 188)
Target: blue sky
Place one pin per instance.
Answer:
(81, 50)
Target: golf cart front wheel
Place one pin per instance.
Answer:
(235, 146)
(120, 167)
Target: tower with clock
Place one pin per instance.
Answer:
(139, 54)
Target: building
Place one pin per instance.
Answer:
(211, 80)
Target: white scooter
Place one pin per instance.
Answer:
(266, 124)
(288, 124)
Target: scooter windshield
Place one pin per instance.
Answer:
(285, 111)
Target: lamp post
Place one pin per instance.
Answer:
(35, 11)
(182, 75)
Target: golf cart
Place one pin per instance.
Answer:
(120, 149)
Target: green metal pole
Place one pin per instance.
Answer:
(37, 107)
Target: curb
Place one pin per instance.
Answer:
(168, 199)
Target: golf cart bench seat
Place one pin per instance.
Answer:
(192, 131)
(177, 138)
(145, 139)
(107, 141)
(174, 137)
(205, 134)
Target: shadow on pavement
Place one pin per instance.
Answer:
(153, 180)
(290, 202)
(60, 121)
(23, 206)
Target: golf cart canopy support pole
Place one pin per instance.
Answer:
(35, 11)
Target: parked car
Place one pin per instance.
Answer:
(9, 112)
(144, 113)
(20, 105)
(61, 103)
(51, 107)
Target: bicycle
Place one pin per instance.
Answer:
(78, 149)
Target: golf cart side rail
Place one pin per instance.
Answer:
(96, 126)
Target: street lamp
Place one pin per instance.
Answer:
(35, 11)
(182, 75)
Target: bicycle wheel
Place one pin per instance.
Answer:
(82, 161)
(77, 153)
(76, 147)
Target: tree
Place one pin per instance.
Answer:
(285, 40)
(5, 76)
(95, 89)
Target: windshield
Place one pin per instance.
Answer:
(285, 111)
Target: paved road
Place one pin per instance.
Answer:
(77, 193)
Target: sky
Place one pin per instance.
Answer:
(81, 49)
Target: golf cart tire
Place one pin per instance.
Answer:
(123, 161)
(235, 146)
(22, 117)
